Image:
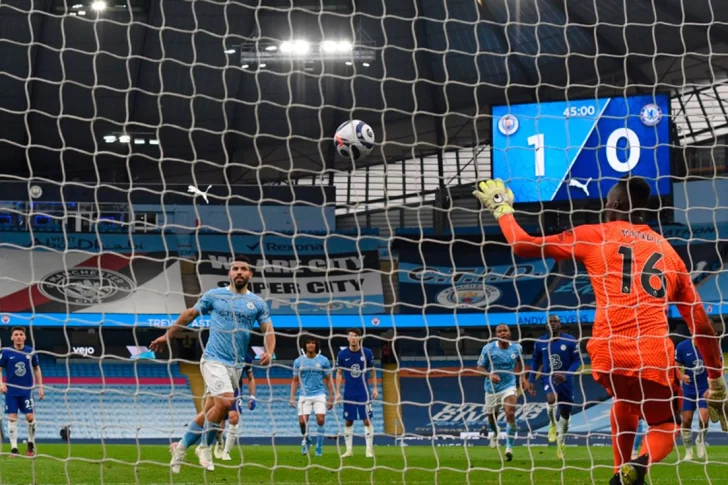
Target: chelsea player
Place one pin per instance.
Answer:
(500, 361)
(694, 386)
(22, 374)
(352, 365)
(557, 355)
(312, 370)
(234, 311)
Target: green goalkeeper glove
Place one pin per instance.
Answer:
(717, 398)
(495, 196)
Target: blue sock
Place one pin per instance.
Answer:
(192, 436)
(511, 434)
(639, 436)
(320, 437)
(210, 436)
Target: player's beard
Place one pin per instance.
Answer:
(239, 283)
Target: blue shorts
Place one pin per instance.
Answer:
(691, 402)
(356, 411)
(23, 403)
(238, 405)
(564, 391)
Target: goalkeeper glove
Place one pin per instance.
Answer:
(495, 196)
(717, 401)
(252, 403)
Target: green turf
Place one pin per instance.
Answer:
(80, 464)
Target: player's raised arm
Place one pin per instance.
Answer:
(498, 198)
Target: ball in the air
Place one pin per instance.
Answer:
(354, 140)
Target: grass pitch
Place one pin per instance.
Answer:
(122, 464)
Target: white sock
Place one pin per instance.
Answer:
(551, 411)
(701, 435)
(564, 428)
(369, 436)
(231, 438)
(687, 436)
(31, 432)
(13, 432)
(349, 437)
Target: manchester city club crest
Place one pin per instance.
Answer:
(472, 295)
(508, 125)
(651, 115)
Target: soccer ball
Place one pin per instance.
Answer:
(354, 140)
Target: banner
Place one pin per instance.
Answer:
(455, 405)
(80, 282)
(460, 280)
(301, 275)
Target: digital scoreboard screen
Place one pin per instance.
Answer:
(578, 149)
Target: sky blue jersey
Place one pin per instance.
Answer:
(232, 317)
(689, 357)
(311, 373)
(555, 356)
(502, 362)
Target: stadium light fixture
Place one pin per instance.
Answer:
(82, 12)
(348, 63)
(154, 142)
(344, 46)
(366, 64)
(77, 6)
(124, 139)
(110, 138)
(301, 47)
(229, 51)
(262, 65)
(139, 141)
(329, 46)
(99, 5)
(245, 66)
(286, 46)
(271, 48)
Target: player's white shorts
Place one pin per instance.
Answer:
(317, 404)
(495, 400)
(219, 378)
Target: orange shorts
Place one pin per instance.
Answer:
(655, 403)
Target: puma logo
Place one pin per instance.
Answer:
(579, 185)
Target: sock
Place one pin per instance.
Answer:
(31, 432)
(192, 436)
(510, 434)
(687, 436)
(13, 432)
(494, 428)
(369, 436)
(624, 425)
(219, 436)
(303, 428)
(660, 441)
(551, 411)
(701, 434)
(639, 436)
(320, 437)
(349, 437)
(564, 428)
(210, 434)
(231, 438)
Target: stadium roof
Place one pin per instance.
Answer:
(164, 69)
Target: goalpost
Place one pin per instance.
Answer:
(146, 141)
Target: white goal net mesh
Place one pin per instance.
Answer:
(145, 143)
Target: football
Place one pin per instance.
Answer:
(354, 140)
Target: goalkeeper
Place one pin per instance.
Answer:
(635, 274)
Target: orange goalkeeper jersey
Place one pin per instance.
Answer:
(635, 274)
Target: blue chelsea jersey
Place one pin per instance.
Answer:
(19, 366)
(559, 355)
(311, 373)
(354, 366)
(232, 317)
(502, 362)
(689, 357)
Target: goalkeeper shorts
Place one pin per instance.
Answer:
(654, 402)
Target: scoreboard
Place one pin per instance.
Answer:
(578, 149)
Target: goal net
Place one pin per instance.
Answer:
(148, 144)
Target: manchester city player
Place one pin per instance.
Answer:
(22, 374)
(352, 366)
(694, 386)
(222, 452)
(557, 355)
(500, 362)
(233, 312)
(312, 370)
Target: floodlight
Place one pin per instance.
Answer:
(98, 5)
